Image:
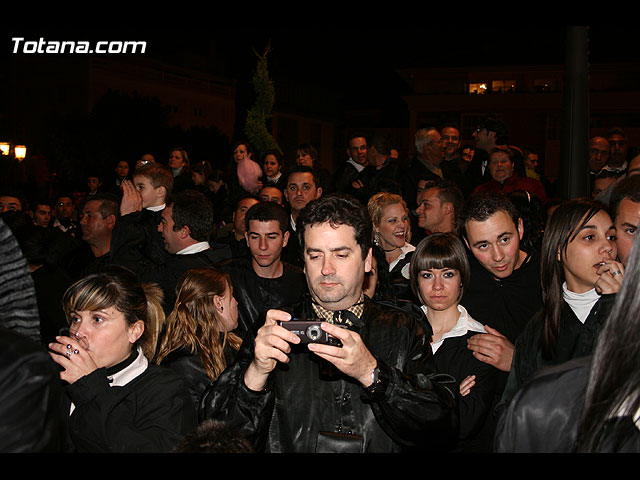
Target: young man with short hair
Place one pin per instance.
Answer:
(263, 280)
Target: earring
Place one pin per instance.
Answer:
(376, 239)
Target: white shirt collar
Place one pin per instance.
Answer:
(357, 166)
(157, 208)
(195, 248)
(124, 376)
(464, 325)
(275, 178)
(406, 248)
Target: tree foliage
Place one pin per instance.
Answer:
(258, 116)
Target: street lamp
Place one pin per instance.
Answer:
(19, 151)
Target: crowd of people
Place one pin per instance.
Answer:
(391, 305)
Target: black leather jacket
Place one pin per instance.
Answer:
(544, 415)
(302, 404)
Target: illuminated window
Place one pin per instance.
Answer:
(477, 88)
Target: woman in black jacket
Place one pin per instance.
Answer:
(579, 276)
(198, 342)
(116, 402)
(439, 269)
(588, 404)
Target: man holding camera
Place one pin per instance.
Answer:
(377, 391)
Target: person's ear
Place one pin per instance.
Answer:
(520, 227)
(135, 331)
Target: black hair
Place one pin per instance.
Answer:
(304, 169)
(481, 206)
(265, 212)
(194, 210)
(629, 188)
(562, 227)
(109, 204)
(337, 209)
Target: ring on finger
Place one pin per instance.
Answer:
(617, 272)
(76, 351)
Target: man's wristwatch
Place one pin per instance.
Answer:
(376, 380)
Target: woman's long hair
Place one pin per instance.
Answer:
(613, 386)
(562, 227)
(193, 325)
(118, 287)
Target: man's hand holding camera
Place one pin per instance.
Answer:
(273, 344)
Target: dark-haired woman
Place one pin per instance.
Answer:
(439, 270)
(580, 277)
(588, 404)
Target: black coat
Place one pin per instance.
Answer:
(138, 232)
(151, 413)
(474, 410)
(305, 402)
(256, 295)
(189, 367)
(544, 415)
(575, 340)
(30, 395)
(167, 274)
(504, 304)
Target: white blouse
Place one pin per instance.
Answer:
(464, 325)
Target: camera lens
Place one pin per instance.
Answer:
(314, 332)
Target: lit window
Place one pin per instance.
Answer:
(477, 88)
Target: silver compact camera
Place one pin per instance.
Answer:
(309, 331)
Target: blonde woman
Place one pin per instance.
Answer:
(392, 233)
(199, 341)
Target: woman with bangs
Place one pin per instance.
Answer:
(117, 402)
(439, 269)
(199, 342)
(580, 277)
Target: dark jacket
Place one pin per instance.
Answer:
(504, 304)
(575, 340)
(474, 410)
(166, 275)
(189, 367)
(374, 180)
(151, 413)
(30, 395)
(139, 231)
(544, 415)
(256, 295)
(307, 401)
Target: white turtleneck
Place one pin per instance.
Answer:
(580, 303)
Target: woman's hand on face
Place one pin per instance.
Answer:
(75, 360)
(610, 277)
